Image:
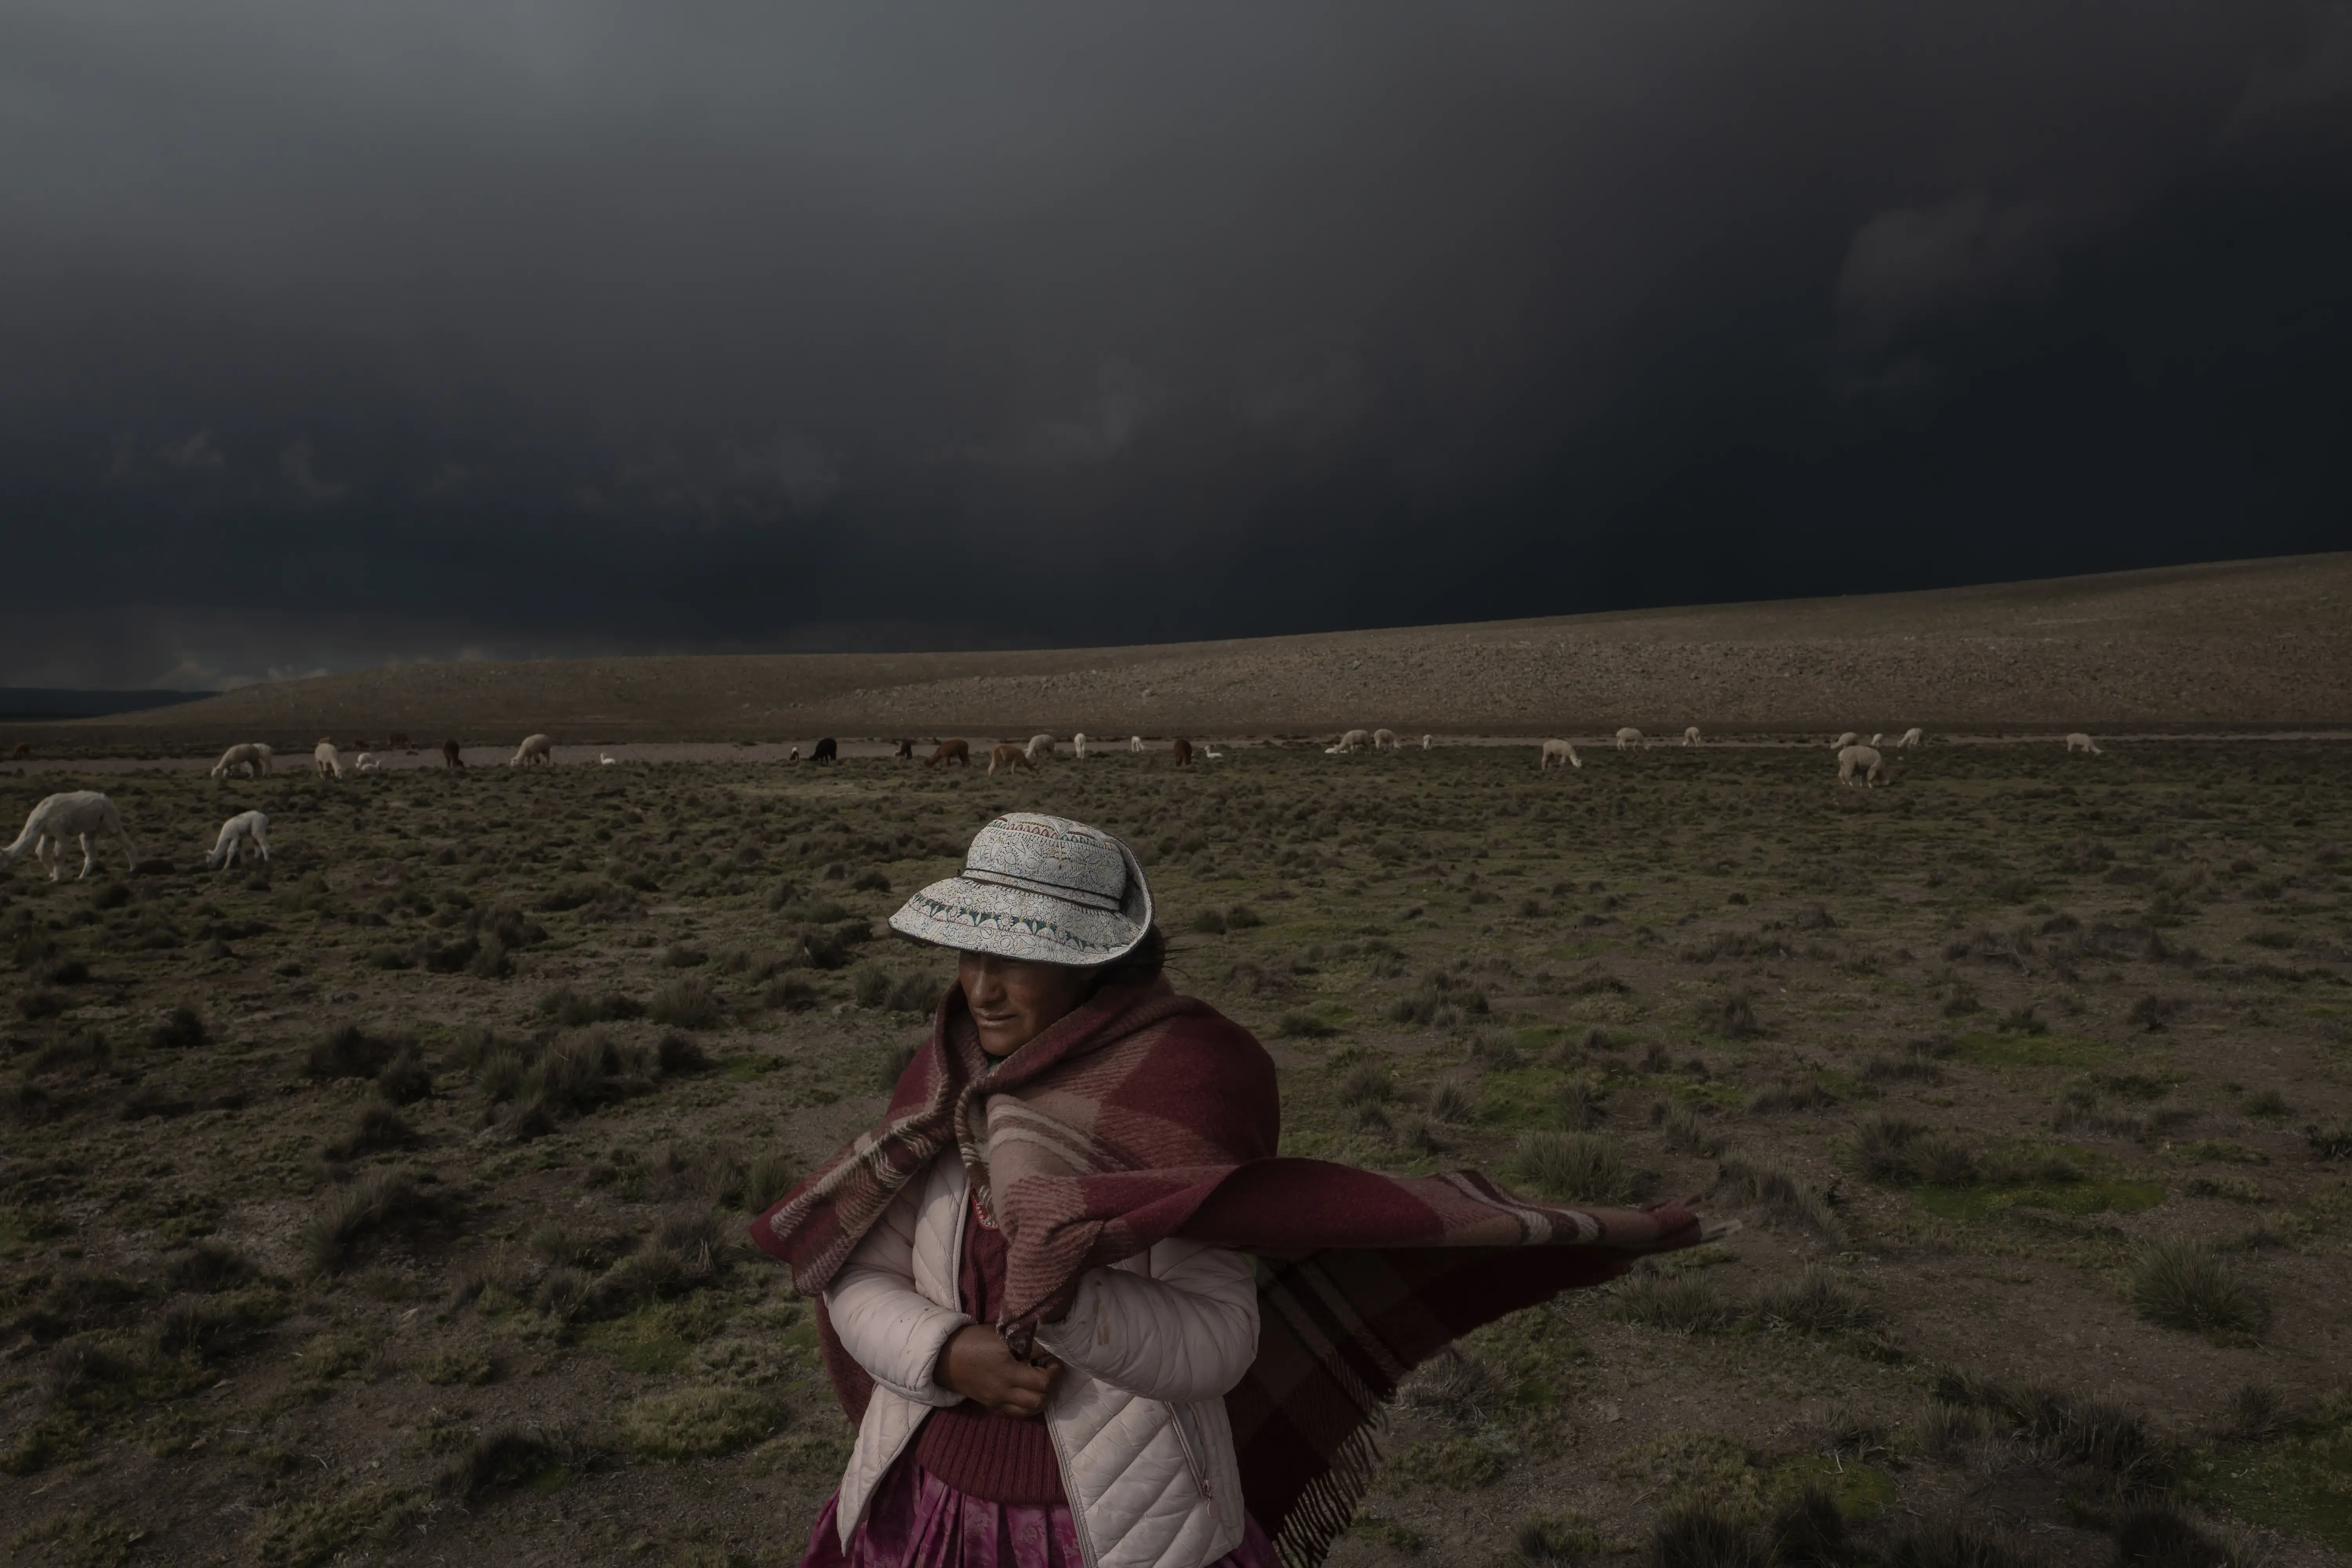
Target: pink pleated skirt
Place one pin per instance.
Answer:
(917, 1520)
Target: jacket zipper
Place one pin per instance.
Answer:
(1193, 1458)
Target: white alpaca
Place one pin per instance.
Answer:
(1690, 736)
(1425, 741)
(1557, 752)
(368, 763)
(1385, 741)
(1352, 741)
(607, 759)
(1135, 742)
(1873, 768)
(1911, 737)
(1078, 745)
(1211, 753)
(77, 813)
(325, 761)
(1843, 742)
(250, 755)
(247, 829)
(534, 749)
(2078, 741)
(1039, 746)
(1629, 739)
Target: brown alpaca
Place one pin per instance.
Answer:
(23, 749)
(398, 740)
(1009, 758)
(450, 757)
(906, 749)
(956, 751)
(1183, 751)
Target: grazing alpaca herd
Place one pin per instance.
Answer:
(78, 814)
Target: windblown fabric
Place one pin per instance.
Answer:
(1144, 1115)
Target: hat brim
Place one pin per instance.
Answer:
(1037, 927)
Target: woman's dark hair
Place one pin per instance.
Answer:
(1138, 965)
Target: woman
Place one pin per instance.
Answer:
(1038, 1293)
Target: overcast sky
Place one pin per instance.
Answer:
(336, 332)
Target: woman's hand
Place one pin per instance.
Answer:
(978, 1364)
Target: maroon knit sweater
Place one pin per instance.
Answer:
(981, 1452)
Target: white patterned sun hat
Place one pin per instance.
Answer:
(1042, 889)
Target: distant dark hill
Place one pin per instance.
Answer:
(36, 702)
(2250, 644)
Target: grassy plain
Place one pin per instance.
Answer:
(386, 1203)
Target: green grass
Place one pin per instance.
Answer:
(2109, 1196)
(2078, 1052)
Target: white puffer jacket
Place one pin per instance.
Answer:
(1137, 1417)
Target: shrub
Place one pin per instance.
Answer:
(1305, 1027)
(2181, 1285)
(1210, 922)
(871, 987)
(677, 1055)
(1574, 1167)
(686, 1002)
(1240, 917)
(573, 1010)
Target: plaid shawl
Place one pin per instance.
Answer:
(1144, 1115)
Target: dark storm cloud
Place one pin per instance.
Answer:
(329, 333)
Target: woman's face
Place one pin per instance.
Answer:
(1014, 1000)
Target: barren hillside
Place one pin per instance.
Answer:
(2257, 643)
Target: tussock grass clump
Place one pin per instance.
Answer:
(1450, 1101)
(208, 1265)
(1815, 1304)
(1950, 1543)
(183, 1030)
(352, 1052)
(696, 1423)
(1706, 1534)
(895, 1063)
(405, 1080)
(571, 1009)
(1688, 1302)
(2155, 1536)
(1788, 1095)
(915, 993)
(685, 1250)
(2329, 1143)
(686, 1002)
(768, 1178)
(377, 1201)
(1749, 1179)
(1583, 1103)
(1572, 1167)
(1454, 1385)
(1367, 1083)
(377, 1127)
(2181, 1285)
(870, 987)
(1898, 1150)
(1686, 1130)
(504, 1456)
(1304, 1027)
